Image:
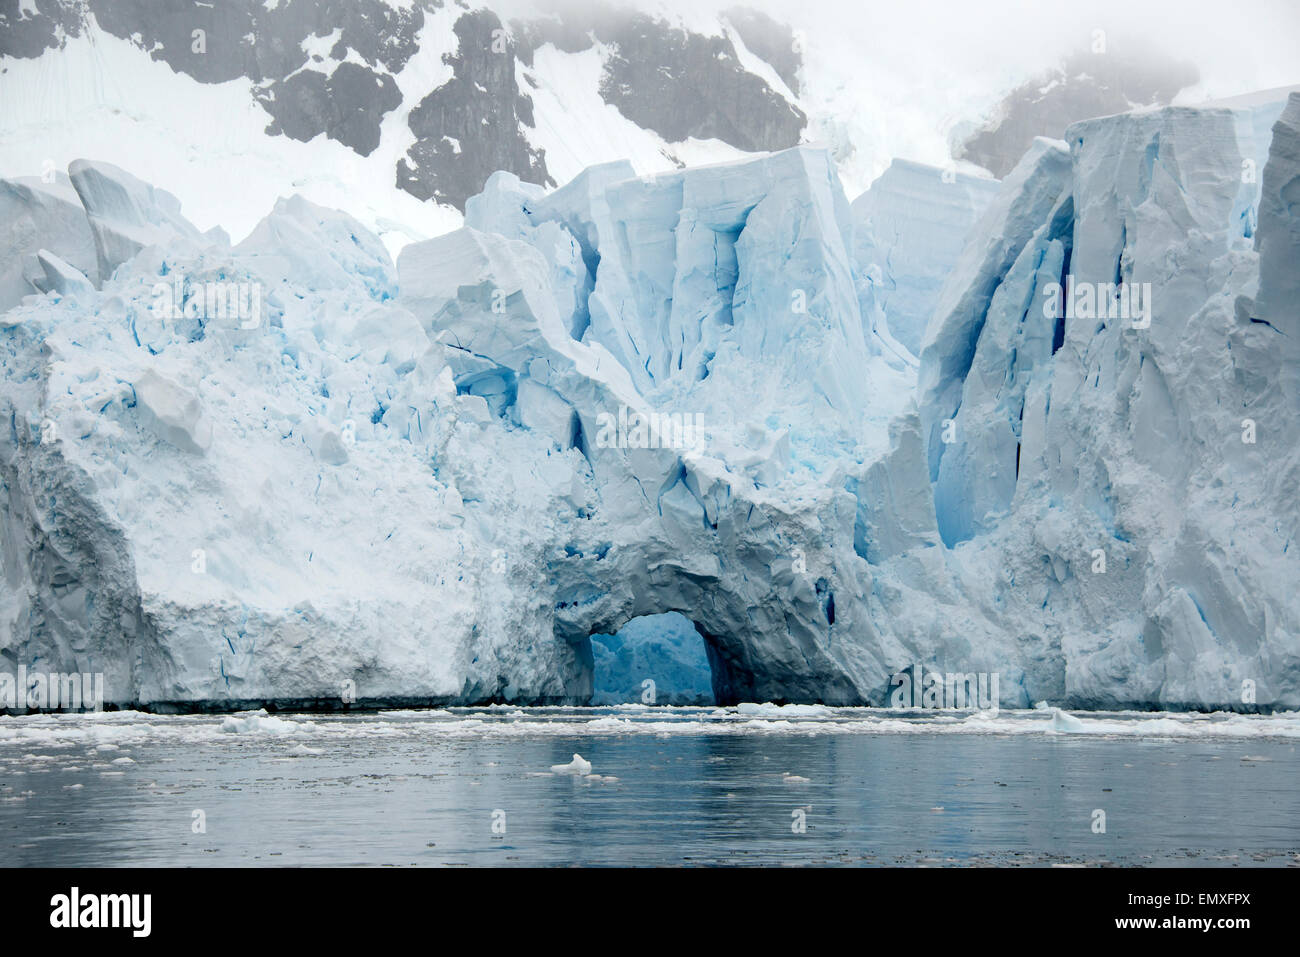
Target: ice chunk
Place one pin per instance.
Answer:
(1064, 723)
(38, 215)
(895, 506)
(261, 723)
(489, 294)
(318, 248)
(325, 441)
(579, 765)
(173, 412)
(769, 710)
(504, 205)
(127, 214)
(542, 409)
(61, 277)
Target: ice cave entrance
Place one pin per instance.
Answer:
(663, 649)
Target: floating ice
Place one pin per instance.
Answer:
(1065, 723)
(260, 723)
(579, 765)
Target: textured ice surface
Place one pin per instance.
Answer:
(433, 482)
(911, 226)
(40, 215)
(1133, 490)
(1277, 236)
(127, 214)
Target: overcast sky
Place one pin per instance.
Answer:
(1238, 46)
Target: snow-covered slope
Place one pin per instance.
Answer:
(396, 112)
(291, 470)
(399, 111)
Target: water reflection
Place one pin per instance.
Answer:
(401, 791)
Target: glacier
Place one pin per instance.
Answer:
(909, 230)
(666, 647)
(839, 440)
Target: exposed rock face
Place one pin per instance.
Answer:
(655, 75)
(775, 43)
(347, 105)
(343, 89)
(435, 481)
(321, 67)
(1092, 83)
(472, 122)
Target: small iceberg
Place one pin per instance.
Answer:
(579, 765)
(1064, 723)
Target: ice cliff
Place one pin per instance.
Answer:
(290, 470)
(910, 228)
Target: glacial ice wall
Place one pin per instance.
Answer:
(289, 470)
(910, 227)
(1131, 492)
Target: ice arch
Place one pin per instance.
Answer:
(665, 650)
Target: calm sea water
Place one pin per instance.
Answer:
(667, 787)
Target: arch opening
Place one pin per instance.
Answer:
(657, 659)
